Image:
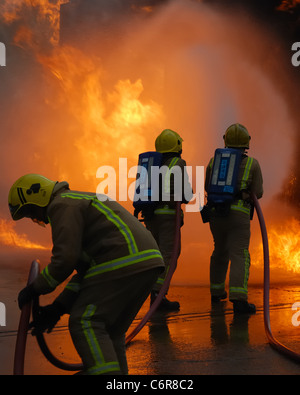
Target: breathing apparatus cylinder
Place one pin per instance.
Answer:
(222, 188)
(147, 186)
(223, 180)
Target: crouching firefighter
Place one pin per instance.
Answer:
(231, 177)
(115, 259)
(163, 181)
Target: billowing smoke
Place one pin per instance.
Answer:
(113, 76)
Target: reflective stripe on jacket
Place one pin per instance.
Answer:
(94, 237)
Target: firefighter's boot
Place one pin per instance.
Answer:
(243, 307)
(218, 298)
(165, 304)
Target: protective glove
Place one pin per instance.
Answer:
(47, 318)
(26, 295)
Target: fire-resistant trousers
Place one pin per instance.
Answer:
(162, 227)
(101, 316)
(231, 236)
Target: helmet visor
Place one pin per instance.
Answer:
(17, 212)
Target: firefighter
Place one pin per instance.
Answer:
(115, 261)
(161, 220)
(231, 230)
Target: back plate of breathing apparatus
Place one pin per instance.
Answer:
(147, 187)
(224, 175)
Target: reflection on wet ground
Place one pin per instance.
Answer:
(208, 339)
(200, 339)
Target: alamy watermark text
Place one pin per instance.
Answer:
(296, 316)
(2, 314)
(182, 189)
(296, 56)
(2, 54)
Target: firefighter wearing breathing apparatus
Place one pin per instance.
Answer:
(115, 261)
(231, 177)
(160, 218)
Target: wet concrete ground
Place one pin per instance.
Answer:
(200, 339)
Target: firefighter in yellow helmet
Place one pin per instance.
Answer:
(230, 227)
(115, 259)
(161, 220)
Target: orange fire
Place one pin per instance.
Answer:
(106, 124)
(100, 122)
(9, 237)
(101, 117)
(284, 246)
(11, 12)
(46, 13)
(287, 5)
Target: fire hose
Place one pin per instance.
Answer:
(23, 326)
(23, 330)
(273, 342)
(25, 313)
(46, 351)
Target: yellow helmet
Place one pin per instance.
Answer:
(29, 190)
(168, 141)
(236, 136)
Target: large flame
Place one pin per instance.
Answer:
(284, 246)
(284, 240)
(9, 237)
(106, 123)
(45, 22)
(98, 123)
(92, 111)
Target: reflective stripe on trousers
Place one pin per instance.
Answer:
(100, 366)
(231, 242)
(244, 288)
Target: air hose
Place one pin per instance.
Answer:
(273, 342)
(168, 278)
